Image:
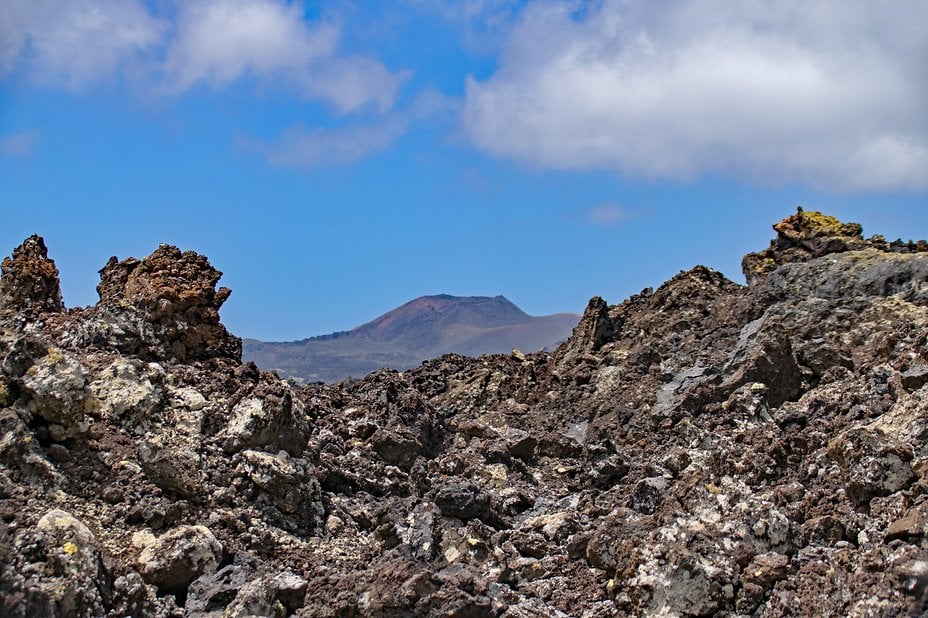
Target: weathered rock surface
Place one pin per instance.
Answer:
(703, 448)
(30, 279)
(172, 561)
(165, 306)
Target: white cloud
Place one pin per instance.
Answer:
(72, 43)
(308, 148)
(822, 92)
(355, 82)
(19, 145)
(605, 215)
(199, 42)
(317, 147)
(219, 41)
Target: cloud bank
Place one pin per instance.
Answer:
(76, 42)
(190, 43)
(822, 92)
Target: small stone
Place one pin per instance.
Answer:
(647, 495)
(910, 525)
(65, 527)
(915, 377)
(59, 453)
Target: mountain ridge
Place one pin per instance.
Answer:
(422, 328)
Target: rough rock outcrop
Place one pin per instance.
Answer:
(30, 279)
(810, 234)
(163, 306)
(702, 448)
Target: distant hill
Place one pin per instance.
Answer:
(404, 337)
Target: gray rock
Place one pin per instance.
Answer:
(72, 556)
(764, 354)
(56, 387)
(130, 389)
(172, 463)
(647, 495)
(287, 489)
(270, 419)
(874, 464)
(178, 557)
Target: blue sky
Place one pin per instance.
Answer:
(335, 160)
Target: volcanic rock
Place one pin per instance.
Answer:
(702, 448)
(30, 279)
(179, 556)
(163, 306)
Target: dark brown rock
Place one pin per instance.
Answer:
(910, 526)
(30, 279)
(173, 292)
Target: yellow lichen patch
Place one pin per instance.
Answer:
(4, 393)
(812, 224)
(54, 356)
(69, 548)
(91, 404)
(713, 489)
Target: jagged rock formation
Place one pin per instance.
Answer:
(165, 306)
(701, 449)
(30, 280)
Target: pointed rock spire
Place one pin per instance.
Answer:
(30, 279)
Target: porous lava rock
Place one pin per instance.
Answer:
(163, 306)
(30, 279)
(701, 448)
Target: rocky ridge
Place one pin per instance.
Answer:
(703, 449)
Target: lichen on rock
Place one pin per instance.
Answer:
(802, 236)
(176, 558)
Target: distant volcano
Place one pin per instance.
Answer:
(423, 328)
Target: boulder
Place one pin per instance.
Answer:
(270, 419)
(800, 237)
(56, 387)
(287, 489)
(179, 556)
